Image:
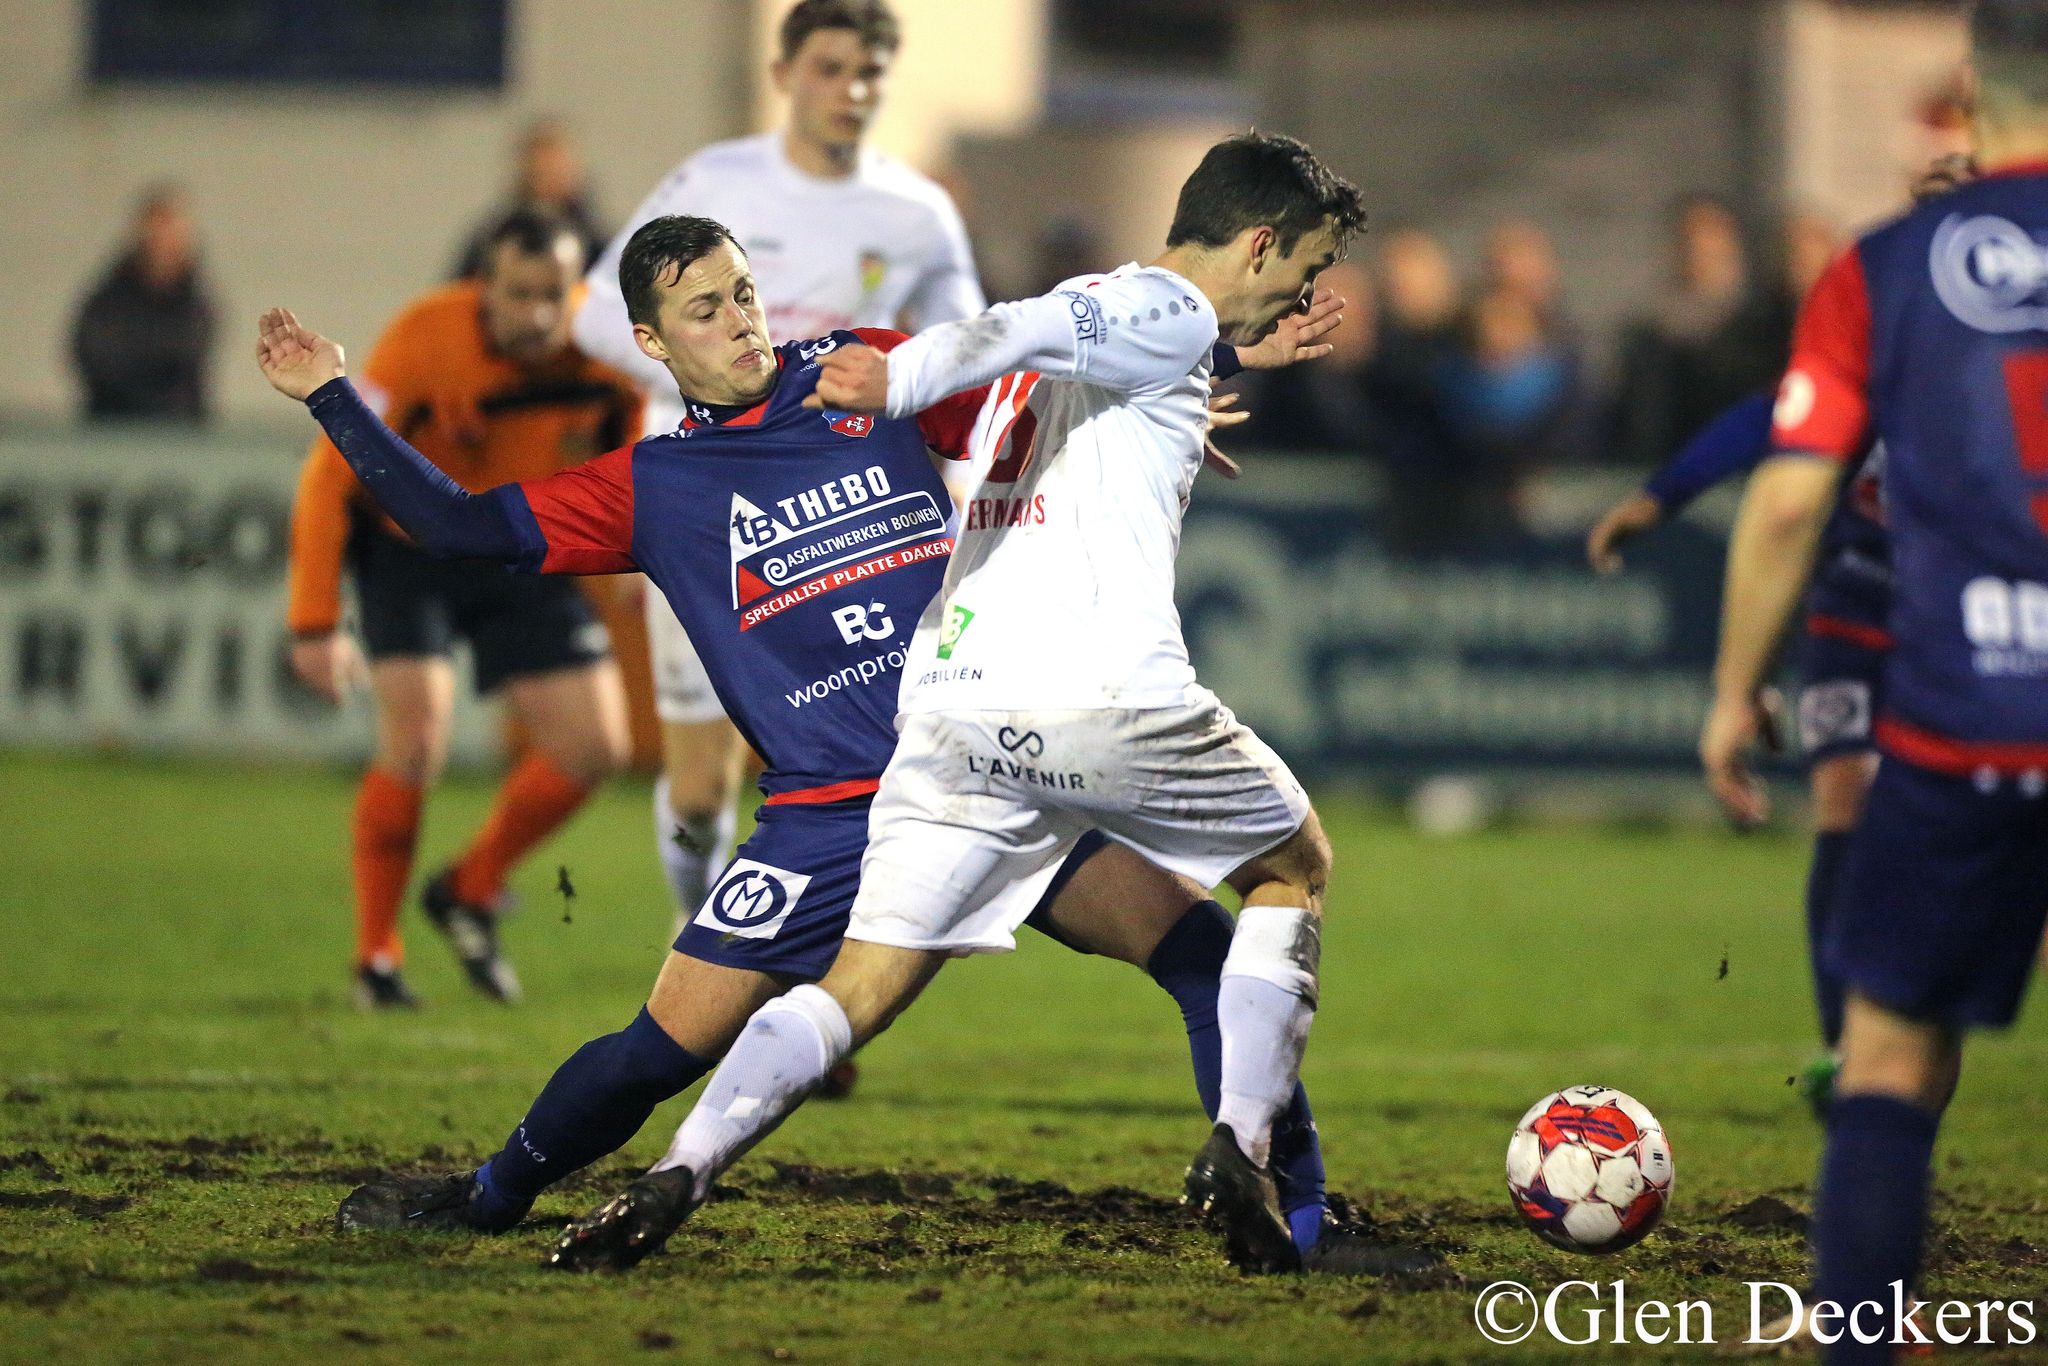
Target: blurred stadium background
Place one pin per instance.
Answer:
(1592, 220)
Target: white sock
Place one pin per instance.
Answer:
(691, 851)
(1263, 1008)
(778, 1060)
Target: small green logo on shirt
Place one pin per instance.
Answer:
(957, 619)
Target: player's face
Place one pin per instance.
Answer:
(1280, 283)
(834, 84)
(527, 297)
(712, 334)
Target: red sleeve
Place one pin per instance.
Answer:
(1824, 403)
(948, 424)
(585, 515)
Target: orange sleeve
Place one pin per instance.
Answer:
(328, 487)
(320, 526)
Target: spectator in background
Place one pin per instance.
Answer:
(141, 337)
(1510, 400)
(549, 179)
(1418, 322)
(1521, 259)
(1715, 337)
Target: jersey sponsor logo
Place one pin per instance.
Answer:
(2007, 626)
(1086, 314)
(840, 531)
(1835, 712)
(1991, 274)
(888, 664)
(984, 514)
(857, 623)
(873, 268)
(1798, 395)
(752, 900)
(809, 351)
(849, 424)
(957, 620)
(860, 571)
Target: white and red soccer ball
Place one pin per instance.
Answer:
(1589, 1168)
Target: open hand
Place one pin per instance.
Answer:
(1222, 413)
(1735, 728)
(330, 665)
(1298, 336)
(295, 359)
(852, 379)
(1625, 521)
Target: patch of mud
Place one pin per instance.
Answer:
(31, 1162)
(330, 1176)
(860, 1187)
(236, 1271)
(1766, 1212)
(88, 1207)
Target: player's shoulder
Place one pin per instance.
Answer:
(2004, 210)
(718, 164)
(442, 310)
(1145, 297)
(731, 154)
(440, 327)
(897, 179)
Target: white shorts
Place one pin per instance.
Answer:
(973, 803)
(682, 690)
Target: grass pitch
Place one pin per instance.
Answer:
(187, 1094)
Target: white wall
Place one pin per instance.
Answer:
(1854, 82)
(340, 204)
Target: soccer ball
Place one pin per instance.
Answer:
(1589, 1168)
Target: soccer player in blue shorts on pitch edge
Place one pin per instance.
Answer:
(1841, 659)
(1841, 652)
(799, 549)
(1930, 335)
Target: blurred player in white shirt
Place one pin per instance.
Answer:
(838, 235)
(1048, 690)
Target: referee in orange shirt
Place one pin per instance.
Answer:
(482, 377)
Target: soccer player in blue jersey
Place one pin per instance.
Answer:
(1929, 335)
(1841, 652)
(1841, 656)
(799, 549)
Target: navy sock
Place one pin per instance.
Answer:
(1188, 964)
(1830, 850)
(596, 1101)
(1871, 1212)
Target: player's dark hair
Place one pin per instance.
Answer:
(530, 232)
(871, 20)
(659, 247)
(2009, 44)
(1263, 180)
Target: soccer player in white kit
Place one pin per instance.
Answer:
(1048, 689)
(838, 235)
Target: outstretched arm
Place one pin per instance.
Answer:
(1734, 443)
(439, 514)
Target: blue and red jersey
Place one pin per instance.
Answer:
(1930, 337)
(797, 547)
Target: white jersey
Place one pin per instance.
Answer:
(881, 245)
(1059, 595)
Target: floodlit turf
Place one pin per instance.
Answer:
(187, 1094)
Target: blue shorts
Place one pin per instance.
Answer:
(1944, 897)
(1841, 670)
(781, 905)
